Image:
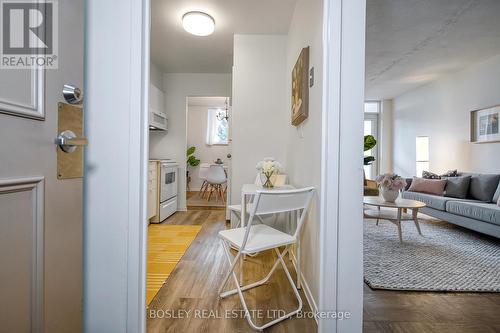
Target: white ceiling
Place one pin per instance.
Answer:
(412, 42)
(176, 51)
(213, 102)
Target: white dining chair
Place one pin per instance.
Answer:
(255, 238)
(216, 178)
(202, 174)
(279, 180)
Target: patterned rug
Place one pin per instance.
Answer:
(166, 246)
(446, 258)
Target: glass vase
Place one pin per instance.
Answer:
(266, 179)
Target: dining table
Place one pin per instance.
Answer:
(248, 191)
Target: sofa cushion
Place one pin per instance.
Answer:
(483, 186)
(432, 201)
(457, 187)
(486, 212)
(430, 186)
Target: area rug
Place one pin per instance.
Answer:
(166, 246)
(446, 258)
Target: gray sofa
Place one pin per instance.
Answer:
(477, 211)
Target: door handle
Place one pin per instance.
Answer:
(68, 142)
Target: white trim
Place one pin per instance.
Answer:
(36, 186)
(35, 109)
(305, 288)
(341, 270)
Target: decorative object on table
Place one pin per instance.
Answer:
(484, 125)
(218, 161)
(190, 161)
(429, 186)
(390, 185)
(267, 168)
(448, 258)
(300, 88)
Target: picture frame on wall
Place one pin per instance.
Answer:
(485, 127)
(300, 88)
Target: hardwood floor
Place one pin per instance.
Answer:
(193, 285)
(195, 202)
(398, 311)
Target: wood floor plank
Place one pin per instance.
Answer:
(193, 285)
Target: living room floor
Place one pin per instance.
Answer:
(440, 312)
(403, 311)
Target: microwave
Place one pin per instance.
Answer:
(157, 120)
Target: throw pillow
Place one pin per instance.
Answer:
(429, 186)
(451, 173)
(457, 187)
(482, 187)
(430, 175)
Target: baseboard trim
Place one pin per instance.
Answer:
(305, 288)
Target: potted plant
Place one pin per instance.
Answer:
(369, 143)
(390, 184)
(267, 168)
(190, 161)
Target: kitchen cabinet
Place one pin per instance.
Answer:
(153, 190)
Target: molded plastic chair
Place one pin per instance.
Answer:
(216, 177)
(257, 238)
(202, 174)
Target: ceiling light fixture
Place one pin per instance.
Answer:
(198, 23)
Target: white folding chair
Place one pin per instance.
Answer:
(261, 237)
(278, 180)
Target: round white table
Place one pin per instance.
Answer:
(395, 216)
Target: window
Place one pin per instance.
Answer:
(372, 110)
(217, 130)
(422, 154)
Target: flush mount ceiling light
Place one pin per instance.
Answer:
(198, 23)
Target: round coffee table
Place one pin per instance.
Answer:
(395, 216)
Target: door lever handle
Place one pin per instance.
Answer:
(68, 141)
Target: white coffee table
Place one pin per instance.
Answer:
(395, 216)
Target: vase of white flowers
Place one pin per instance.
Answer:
(267, 168)
(390, 186)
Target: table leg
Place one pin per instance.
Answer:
(378, 207)
(400, 232)
(415, 219)
(243, 210)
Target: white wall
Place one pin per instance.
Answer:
(303, 143)
(196, 136)
(259, 120)
(156, 76)
(173, 144)
(441, 110)
(385, 143)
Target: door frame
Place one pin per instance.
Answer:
(341, 270)
(341, 262)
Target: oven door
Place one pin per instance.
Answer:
(168, 182)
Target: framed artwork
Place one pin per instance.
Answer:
(300, 88)
(484, 125)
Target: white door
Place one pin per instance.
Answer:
(40, 216)
(229, 154)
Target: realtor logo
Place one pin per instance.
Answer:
(29, 34)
